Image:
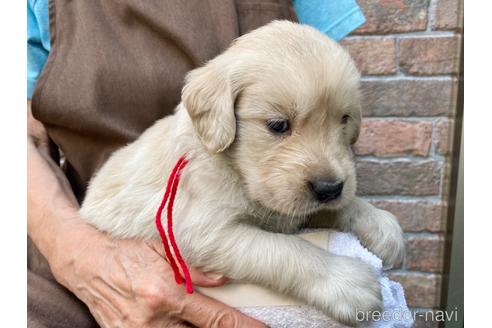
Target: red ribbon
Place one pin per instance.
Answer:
(170, 194)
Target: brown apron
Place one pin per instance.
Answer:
(115, 67)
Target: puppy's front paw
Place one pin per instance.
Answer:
(384, 237)
(348, 292)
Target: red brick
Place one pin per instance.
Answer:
(429, 55)
(447, 15)
(415, 216)
(398, 177)
(421, 290)
(442, 135)
(425, 253)
(386, 138)
(409, 97)
(374, 56)
(383, 16)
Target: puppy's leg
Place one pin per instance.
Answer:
(339, 286)
(377, 229)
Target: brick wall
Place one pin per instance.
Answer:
(408, 53)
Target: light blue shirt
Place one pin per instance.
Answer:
(336, 18)
(38, 41)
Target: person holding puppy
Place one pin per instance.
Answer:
(113, 69)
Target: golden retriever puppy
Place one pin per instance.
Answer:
(267, 127)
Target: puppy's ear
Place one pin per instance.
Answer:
(209, 99)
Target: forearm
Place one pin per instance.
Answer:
(336, 285)
(262, 253)
(51, 205)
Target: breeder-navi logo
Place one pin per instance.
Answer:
(404, 315)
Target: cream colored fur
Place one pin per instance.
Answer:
(245, 189)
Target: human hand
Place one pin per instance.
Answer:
(128, 283)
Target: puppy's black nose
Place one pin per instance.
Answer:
(325, 190)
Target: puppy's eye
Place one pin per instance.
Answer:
(278, 125)
(345, 119)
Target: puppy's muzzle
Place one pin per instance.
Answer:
(325, 190)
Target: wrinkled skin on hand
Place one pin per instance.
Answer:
(128, 283)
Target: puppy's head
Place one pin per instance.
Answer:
(282, 103)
